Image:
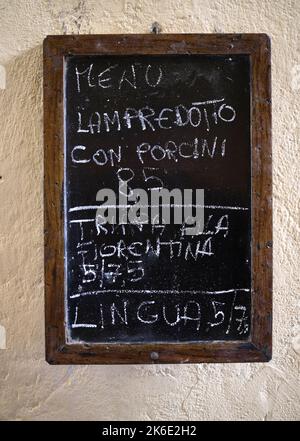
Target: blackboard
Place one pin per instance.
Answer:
(168, 119)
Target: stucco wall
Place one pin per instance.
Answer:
(30, 388)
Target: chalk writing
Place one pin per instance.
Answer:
(157, 124)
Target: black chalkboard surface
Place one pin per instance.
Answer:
(136, 283)
(156, 113)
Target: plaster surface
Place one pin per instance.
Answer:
(30, 389)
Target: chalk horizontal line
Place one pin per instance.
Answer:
(213, 207)
(154, 291)
(76, 221)
(201, 103)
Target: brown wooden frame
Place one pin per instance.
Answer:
(258, 347)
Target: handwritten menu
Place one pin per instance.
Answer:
(158, 122)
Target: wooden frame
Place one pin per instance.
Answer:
(258, 347)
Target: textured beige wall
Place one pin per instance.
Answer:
(30, 388)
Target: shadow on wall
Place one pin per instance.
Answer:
(22, 202)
